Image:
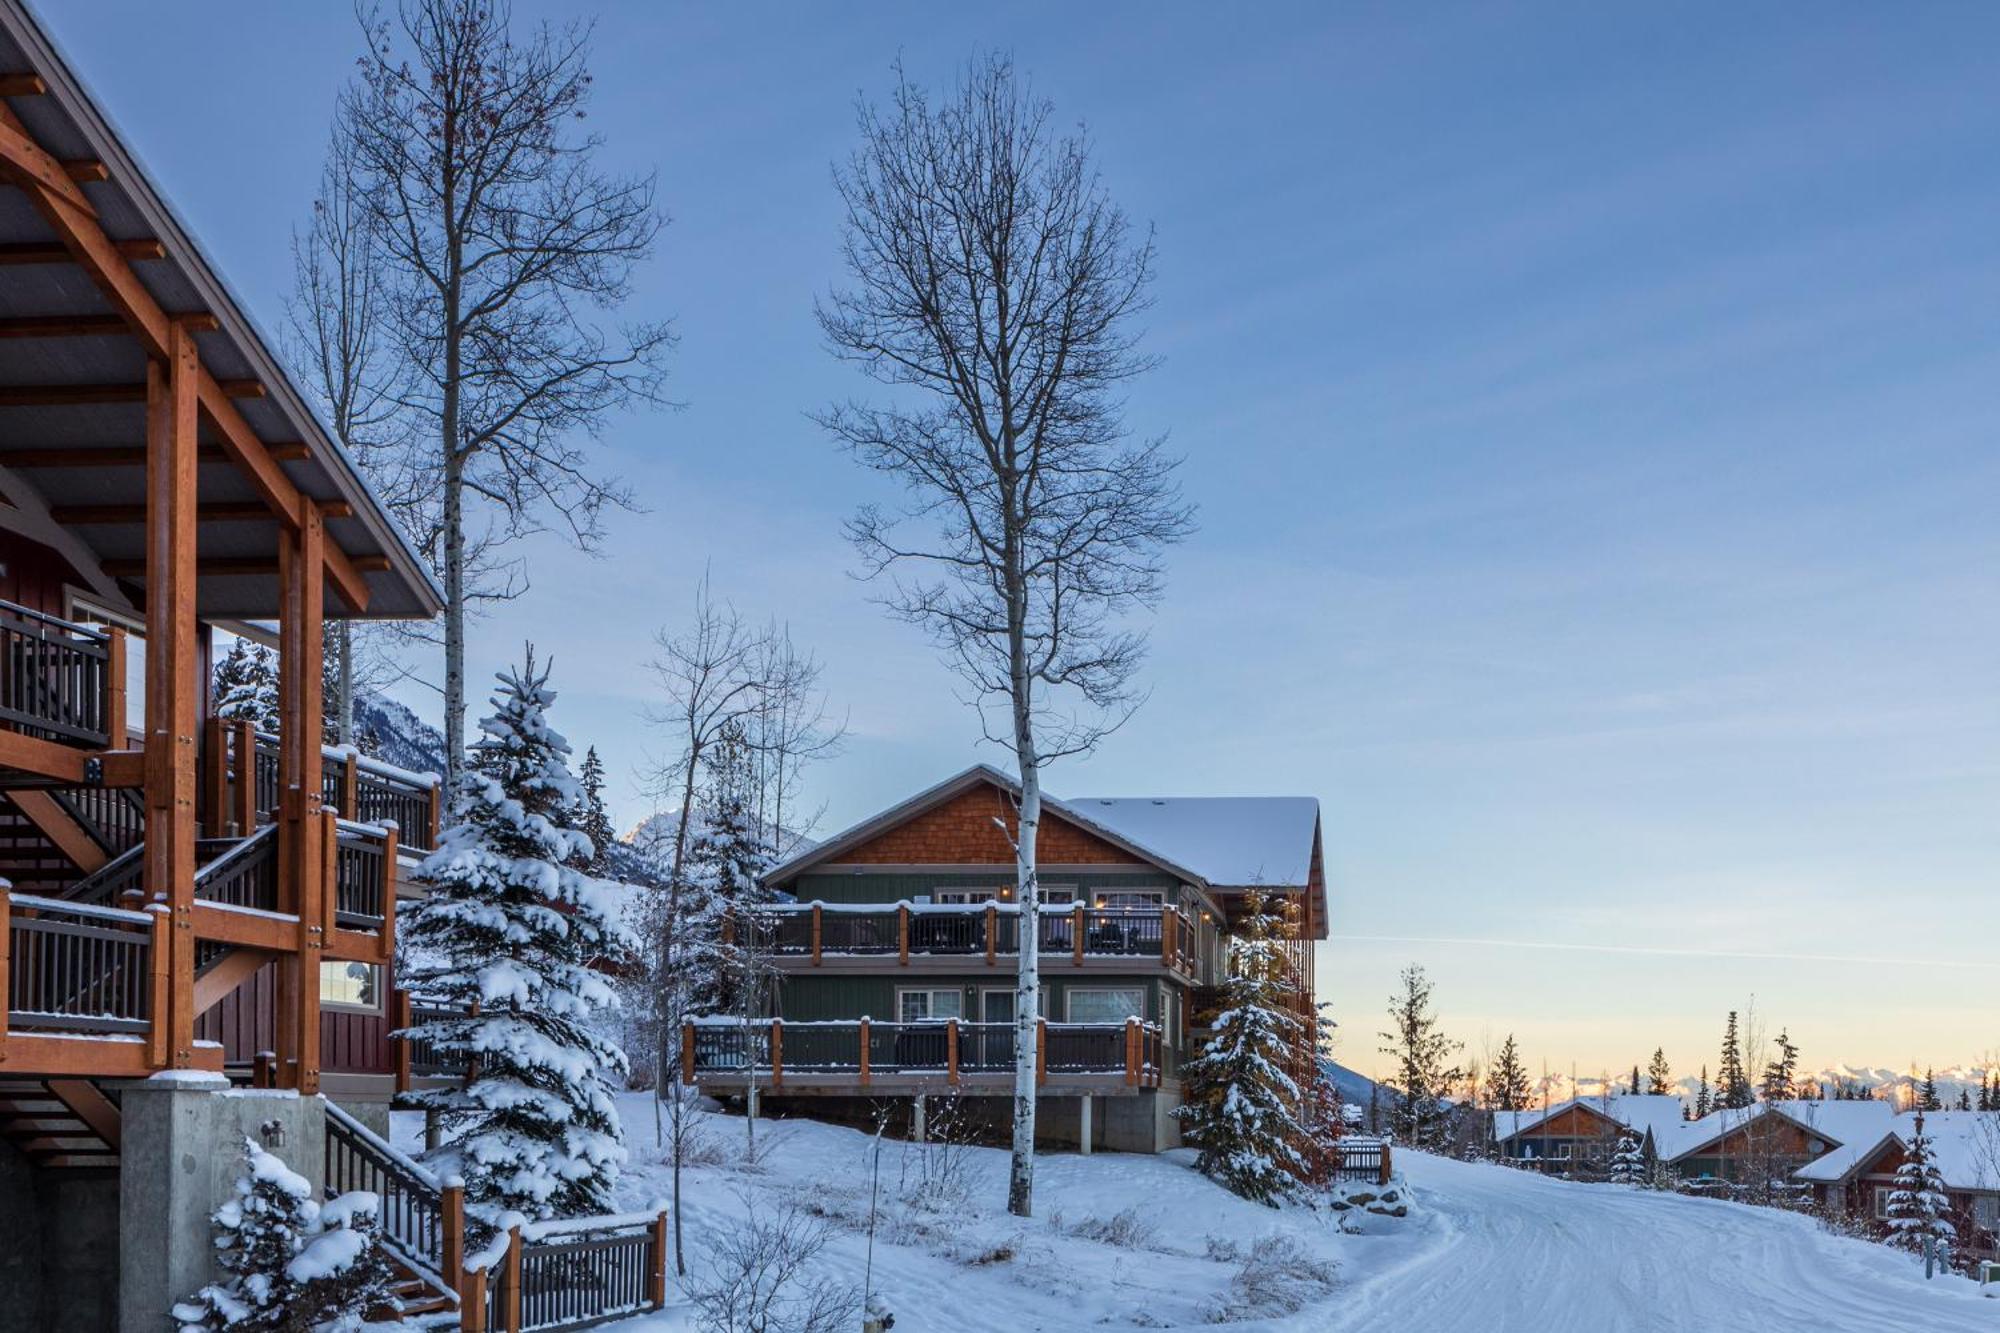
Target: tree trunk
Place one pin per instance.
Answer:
(1027, 984)
(344, 717)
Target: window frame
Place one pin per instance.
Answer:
(1071, 992)
(376, 973)
(957, 992)
(1878, 1207)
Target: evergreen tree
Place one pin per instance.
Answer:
(1927, 1094)
(595, 821)
(1779, 1073)
(1732, 1084)
(1964, 1100)
(1240, 1108)
(1508, 1086)
(246, 685)
(1424, 1074)
(1628, 1164)
(1918, 1205)
(1655, 1169)
(1635, 1087)
(512, 924)
(726, 861)
(1659, 1075)
(1986, 1091)
(1704, 1099)
(292, 1264)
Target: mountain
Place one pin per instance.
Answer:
(401, 737)
(1355, 1088)
(1886, 1084)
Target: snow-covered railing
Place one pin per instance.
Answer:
(1359, 1158)
(77, 967)
(573, 1273)
(415, 1211)
(352, 785)
(730, 1049)
(364, 886)
(992, 930)
(62, 681)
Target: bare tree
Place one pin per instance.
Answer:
(790, 728)
(995, 284)
(506, 242)
(336, 338)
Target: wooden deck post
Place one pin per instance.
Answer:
(687, 1052)
(992, 933)
(399, 1020)
(1041, 1051)
(777, 1053)
(387, 936)
(302, 886)
(1076, 929)
(864, 1047)
(452, 1226)
(214, 780)
(1385, 1163)
(114, 686)
(656, 1281)
(263, 1070)
(246, 777)
(472, 1301)
(1131, 1052)
(951, 1051)
(350, 786)
(816, 925)
(903, 934)
(437, 814)
(6, 944)
(510, 1288)
(159, 1034)
(1169, 929)
(329, 871)
(171, 687)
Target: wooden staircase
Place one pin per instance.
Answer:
(28, 859)
(62, 1124)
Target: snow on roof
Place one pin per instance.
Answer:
(1662, 1115)
(1844, 1123)
(1230, 841)
(1965, 1145)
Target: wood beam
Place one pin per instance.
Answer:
(224, 976)
(222, 566)
(55, 824)
(302, 829)
(43, 758)
(275, 932)
(121, 768)
(172, 425)
(89, 1104)
(91, 1057)
(35, 171)
(78, 395)
(89, 326)
(86, 170)
(54, 252)
(22, 85)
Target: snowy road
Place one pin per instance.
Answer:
(1508, 1251)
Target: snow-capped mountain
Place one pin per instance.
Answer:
(1901, 1087)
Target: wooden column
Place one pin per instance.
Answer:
(656, 1280)
(1169, 931)
(214, 779)
(246, 777)
(389, 877)
(902, 935)
(159, 1039)
(816, 927)
(777, 1053)
(1131, 1052)
(1041, 1051)
(114, 687)
(992, 933)
(1076, 928)
(687, 1052)
(453, 1208)
(302, 886)
(171, 687)
(951, 1051)
(864, 1036)
(510, 1289)
(350, 786)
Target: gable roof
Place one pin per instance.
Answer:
(1640, 1113)
(1232, 841)
(1842, 1123)
(1964, 1144)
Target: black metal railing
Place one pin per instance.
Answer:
(244, 874)
(111, 883)
(425, 1059)
(1365, 1160)
(360, 876)
(114, 817)
(381, 798)
(576, 1279)
(52, 676)
(412, 1204)
(926, 1047)
(77, 967)
(1075, 1048)
(1162, 934)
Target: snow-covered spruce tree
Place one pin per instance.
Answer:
(1241, 1107)
(293, 1265)
(1628, 1164)
(513, 925)
(727, 859)
(594, 822)
(1919, 1210)
(246, 685)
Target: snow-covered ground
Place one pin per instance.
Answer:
(1143, 1242)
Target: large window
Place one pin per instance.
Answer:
(920, 1006)
(1051, 893)
(1882, 1193)
(1105, 1004)
(355, 986)
(1986, 1211)
(1131, 898)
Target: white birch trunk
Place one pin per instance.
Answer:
(1027, 988)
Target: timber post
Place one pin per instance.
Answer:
(777, 1053)
(1385, 1163)
(687, 1052)
(951, 1051)
(863, 1066)
(215, 780)
(387, 935)
(1131, 1052)
(656, 1279)
(1169, 928)
(1076, 929)
(159, 1033)
(510, 1284)
(1041, 1051)
(816, 936)
(350, 786)
(114, 687)
(902, 934)
(992, 933)
(246, 778)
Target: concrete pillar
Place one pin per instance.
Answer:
(1083, 1126)
(917, 1118)
(180, 1154)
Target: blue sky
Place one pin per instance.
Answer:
(1592, 416)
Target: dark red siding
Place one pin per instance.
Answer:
(350, 1042)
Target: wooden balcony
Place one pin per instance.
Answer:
(945, 937)
(861, 1057)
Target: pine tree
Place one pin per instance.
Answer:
(1635, 1087)
(292, 1264)
(1964, 1100)
(595, 821)
(1704, 1099)
(1659, 1075)
(1778, 1074)
(726, 861)
(1628, 1164)
(1240, 1108)
(1509, 1084)
(1655, 1170)
(512, 924)
(1732, 1084)
(1927, 1094)
(1918, 1206)
(246, 685)
(1422, 1053)
(1986, 1091)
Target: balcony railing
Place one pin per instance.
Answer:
(57, 679)
(943, 1049)
(362, 882)
(816, 931)
(78, 968)
(353, 786)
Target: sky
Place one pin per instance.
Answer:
(1592, 416)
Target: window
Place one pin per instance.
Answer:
(1050, 894)
(1986, 1211)
(920, 1006)
(1104, 1004)
(1131, 898)
(355, 986)
(84, 612)
(1882, 1193)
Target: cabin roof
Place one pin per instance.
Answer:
(70, 125)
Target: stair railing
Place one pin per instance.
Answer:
(419, 1217)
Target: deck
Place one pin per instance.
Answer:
(946, 937)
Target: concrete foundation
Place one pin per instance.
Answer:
(182, 1151)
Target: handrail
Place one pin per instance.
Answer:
(412, 1214)
(243, 848)
(121, 870)
(71, 626)
(41, 904)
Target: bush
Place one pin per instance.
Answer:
(1277, 1277)
(753, 1280)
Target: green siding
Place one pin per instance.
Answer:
(820, 998)
(873, 887)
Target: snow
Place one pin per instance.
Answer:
(1486, 1248)
(1661, 1114)
(1230, 841)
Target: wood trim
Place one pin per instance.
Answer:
(68, 836)
(122, 768)
(951, 1051)
(89, 1104)
(161, 993)
(45, 1054)
(278, 933)
(777, 1053)
(1075, 927)
(22, 85)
